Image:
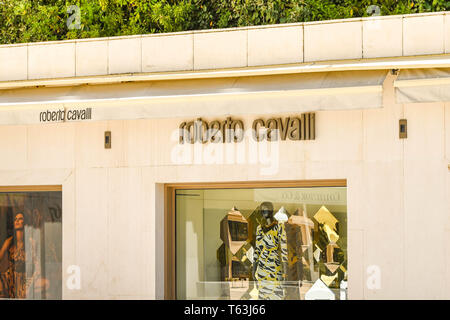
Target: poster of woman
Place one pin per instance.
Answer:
(30, 245)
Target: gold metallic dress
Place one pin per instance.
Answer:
(13, 281)
(270, 252)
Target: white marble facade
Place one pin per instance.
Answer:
(398, 191)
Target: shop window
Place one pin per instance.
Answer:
(30, 245)
(261, 243)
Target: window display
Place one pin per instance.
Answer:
(30, 247)
(270, 258)
(261, 243)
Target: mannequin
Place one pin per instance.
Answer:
(270, 255)
(294, 274)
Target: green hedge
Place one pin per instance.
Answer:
(43, 20)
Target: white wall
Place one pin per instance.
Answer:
(398, 193)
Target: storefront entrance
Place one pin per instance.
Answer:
(263, 240)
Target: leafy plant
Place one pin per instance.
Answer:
(44, 20)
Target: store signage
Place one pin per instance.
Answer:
(232, 130)
(65, 115)
(318, 195)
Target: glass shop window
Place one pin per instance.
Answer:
(263, 243)
(30, 245)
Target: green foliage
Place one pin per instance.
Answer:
(44, 20)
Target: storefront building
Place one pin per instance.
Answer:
(296, 161)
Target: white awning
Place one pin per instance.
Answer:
(409, 62)
(423, 85)
(268, 94)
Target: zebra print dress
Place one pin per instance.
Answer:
(270, 252)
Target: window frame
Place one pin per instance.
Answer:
(38, 188)
(170, 208)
